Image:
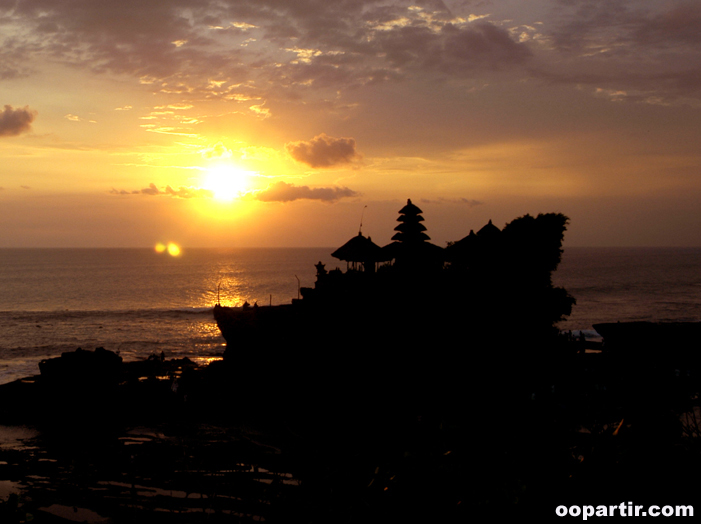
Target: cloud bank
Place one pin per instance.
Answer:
(153, 190)
(278, 192)
(284, 192)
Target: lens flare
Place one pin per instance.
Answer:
(171, 248)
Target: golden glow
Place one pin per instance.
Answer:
(222, 216)
(171, 248)
(227, 182)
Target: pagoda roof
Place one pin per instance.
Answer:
(418, 236)
(410, 218)
(406, 227)
(410, 209)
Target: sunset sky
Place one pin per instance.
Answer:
(276, 122)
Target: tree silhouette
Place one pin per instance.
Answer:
(507, 274)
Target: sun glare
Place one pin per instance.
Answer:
(227, 182)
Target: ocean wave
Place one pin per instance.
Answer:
(67, 314)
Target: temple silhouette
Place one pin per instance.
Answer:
(409, 248)
(490, 276)
(402, 320)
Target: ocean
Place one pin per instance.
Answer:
(140, 302)
(630, 284)
(135, 301)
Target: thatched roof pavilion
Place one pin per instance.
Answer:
(360, 250)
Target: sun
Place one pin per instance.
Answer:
(227, 182)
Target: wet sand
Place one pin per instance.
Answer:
(180, 473)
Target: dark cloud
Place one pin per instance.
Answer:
(178, 46)
(641, 51)
(268, 50)
(482, 43)
(600, 24)
(398, 42)
(323, 151)
(151, 39)
(457, 50)
(16, 121)
(284, 192)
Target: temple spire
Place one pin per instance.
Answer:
(410, 230)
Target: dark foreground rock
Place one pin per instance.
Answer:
(164, 441)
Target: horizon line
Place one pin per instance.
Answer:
(324, 247)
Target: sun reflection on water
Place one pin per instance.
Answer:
(205, 361)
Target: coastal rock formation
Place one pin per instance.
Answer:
(400, 325)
